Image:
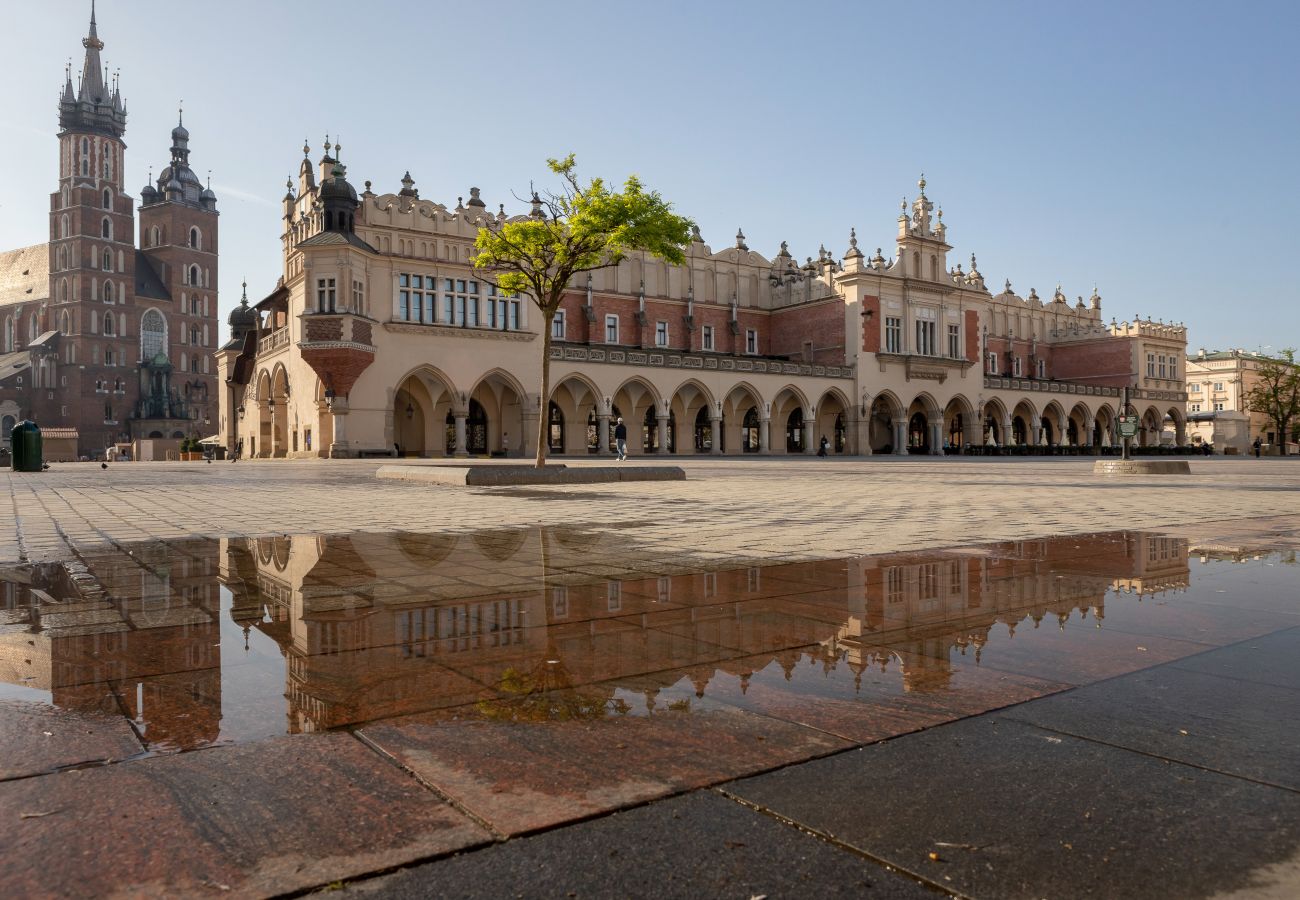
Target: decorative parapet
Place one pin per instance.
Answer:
(453, 331)
(276, 340)
(678, 360)
(994, 382)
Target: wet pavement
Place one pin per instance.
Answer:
(1056, 717)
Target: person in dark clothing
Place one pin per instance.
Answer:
(620, 439)
(825, 447)
(1257, 445)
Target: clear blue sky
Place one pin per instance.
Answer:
(1150, 148)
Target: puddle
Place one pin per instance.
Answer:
(209, 641)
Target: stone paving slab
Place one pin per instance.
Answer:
(1273, 659)
(1173, 713)
(685, 848)
(35, 739)
(1013, 811)
(771, 508)
(502, 476)
(241, 821)
(535, 775)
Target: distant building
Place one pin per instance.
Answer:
(98, 333)
(380, 337)
(1217, 384)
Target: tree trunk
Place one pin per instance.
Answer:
(544, 398)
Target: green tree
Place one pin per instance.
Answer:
(581, 228)
(1276, 394)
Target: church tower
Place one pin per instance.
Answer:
(92, 249)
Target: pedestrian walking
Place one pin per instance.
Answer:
(825, 447)
(1257, 445)
(620, 439)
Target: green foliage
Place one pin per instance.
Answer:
(581, 228)
(1276, 393)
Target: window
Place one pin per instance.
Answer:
(108, 292)
(502, 309)
(108, 260)
(1194, 388)
(109, 358)
(1042, 368)
(1195, 407)
(557, 325)
(706, 337)
(325, 295)
(358, 297)
(611, 329)
(954, 341)
(993, 363)
(751, 341)
(1218, 385)
(1162, 365)
(460, 302)
(194, 239)
(108, 324)
(108, 199)
(1218, 407)
(1151, 365)
(106, 229)
(661, 334)
(153, 335)
(417, 297)
(925, 332)
(893, 334)
(1015, 366)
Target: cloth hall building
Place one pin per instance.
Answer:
(380, 337)
(104, 339)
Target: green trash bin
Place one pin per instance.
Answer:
(25, 442)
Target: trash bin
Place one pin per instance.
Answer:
(25, 442)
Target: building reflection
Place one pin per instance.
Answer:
(134, 634)
(527, 623)
(377, 625)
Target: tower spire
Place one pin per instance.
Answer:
(92, 76)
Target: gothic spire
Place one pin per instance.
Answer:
(92, 74)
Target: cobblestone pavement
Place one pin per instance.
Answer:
(774, 509)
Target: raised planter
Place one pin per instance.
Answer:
(499, 475)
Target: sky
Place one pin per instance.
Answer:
(1148, 148)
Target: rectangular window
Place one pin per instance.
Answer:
(1042, 368)
(751, 341)
(611, 329)
(993, 363)
(1218, 385)
(614, 596)
(925, 334)
(427, 313)
(404, 304)
(893, 334)
(1194, 388)
(460, 310)
(1162, 365)
(954, 341)
(1218, 407)
(358, 296)
(661, 334)
(1195, 407)
(514, 315)
(557, 326)
(325, 301)
(1015, 366)
(1151, 365)
(706, 337)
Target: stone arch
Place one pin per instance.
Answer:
(693, 409)
(1078, 427)
(960, 424)
(1176, 417)
(579, 402)
(1024, 420)
(502, 399)
(1152, 424)
(422, 402)
(793, 420)
(923, 424)
(1051, 429)
(832, 422)
(737, 436)
(639, 405)
(1103, 427)
(885, 423)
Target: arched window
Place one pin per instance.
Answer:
(194, 239)
(108, 324)
(153, 236)
(65, 322)
(108, 260)
(194, 275)
(153, 335)
(63, 227)
(934, 268)
(108, 160)
(108, 199)
(916, 264)
(108, 292)
(61, 259)
(67, 196)
(106, 229)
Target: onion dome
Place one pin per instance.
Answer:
(243, 316)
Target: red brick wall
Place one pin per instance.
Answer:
(871, 325)
(822, 323)
(972, 335)
(1110, 359)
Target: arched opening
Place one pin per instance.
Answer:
(918, 433)
(1047, 437)
(194, 239)
(885, 413)
(555, 429)
(1019, 431)
(794, 431)
(650, 430)
(476, 428)
(501, 403)
(749, 431)
(703, 431)
(108, 199)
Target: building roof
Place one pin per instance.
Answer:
(147, 281)
(337, 238)
(25, 274)
(15, 363)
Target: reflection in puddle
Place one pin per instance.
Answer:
(206, 641)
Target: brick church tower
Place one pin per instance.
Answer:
(136, 324)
